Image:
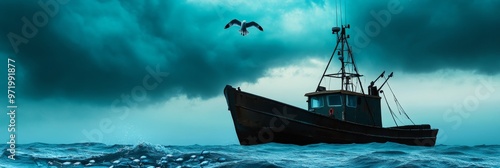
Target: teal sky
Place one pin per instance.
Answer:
(153, 71)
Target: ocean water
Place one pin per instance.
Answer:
(266, 155)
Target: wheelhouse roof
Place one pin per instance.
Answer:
(343, 92)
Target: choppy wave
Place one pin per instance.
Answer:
(267, 155)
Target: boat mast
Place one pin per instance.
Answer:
(345, 76)
(342, 49)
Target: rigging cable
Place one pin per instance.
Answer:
(390, 110)
(400, 108)
(337, 12)
(345, 7)
(341, 23)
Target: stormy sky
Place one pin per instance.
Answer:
(134, 62)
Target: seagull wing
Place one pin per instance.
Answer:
(250, 24)
(232, 22)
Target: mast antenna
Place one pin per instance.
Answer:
(346, 58)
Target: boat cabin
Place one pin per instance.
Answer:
(346, 106)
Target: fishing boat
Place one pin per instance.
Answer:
(342, 116)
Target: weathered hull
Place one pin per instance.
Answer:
(260, 120)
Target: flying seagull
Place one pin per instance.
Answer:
(243, 25)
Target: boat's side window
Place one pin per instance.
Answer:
(317, 102)
(352, 101)
(334, 100)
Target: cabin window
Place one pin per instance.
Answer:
(316, 102)
(334, 100)
(352, 101)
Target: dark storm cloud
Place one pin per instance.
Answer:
(95, 51)
(431, 35)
